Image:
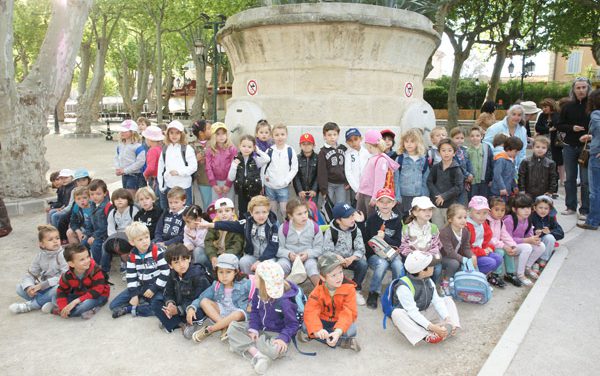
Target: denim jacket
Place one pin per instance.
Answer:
(411, 178)
(239, 296)
(504, 175)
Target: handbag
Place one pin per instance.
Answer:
(298, 274)
(584, 156)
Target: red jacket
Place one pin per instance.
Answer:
(487, 239)
(92, 286)
(152, 158)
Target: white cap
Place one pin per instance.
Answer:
(422, 202)
(224, 202)
(127, 125)
(417, 261)
(65, 172)
(175, 124)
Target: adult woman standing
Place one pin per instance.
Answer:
(546, 125)
(487, 118)
(574, 122)
(593, 218)
(510, 126)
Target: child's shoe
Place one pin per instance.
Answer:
(20, 307)
(511, 278)
(349, 343)
(360, 300)
(88, 314)
(201, 334)
(524, 280)
(48, 307)
(433, 338)
(189, 330)
(372, 299)
(531, 274)
(495, 280)
(261, 363)
(121, 311)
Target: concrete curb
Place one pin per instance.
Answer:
(501, 357)
(26, 206)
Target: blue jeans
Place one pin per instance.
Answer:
(570, 156)
(41, 298)
(96, 250)
(144, 308)
(164, 203)
(593, 217)
(133, 181)
(359, 267)
(86, 305)
(171, 323)
(479, 189)
(278, 195)
(58, 216)
(206, 195)
(337, 193)
(380, 266)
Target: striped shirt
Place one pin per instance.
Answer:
(148, 270)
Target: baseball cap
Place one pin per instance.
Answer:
(327, 262)
(372, 137)
(342, 210)
(128, 125)
(385, 192)
(218, 125)
(272, 275)
(422, 202)
(307, 137)
(65, 172)
(228, 261)
(418, 261)
(352, 132)
(479, 203)
(175, 124)
(81, 173)
(224, 202)
(388, 132)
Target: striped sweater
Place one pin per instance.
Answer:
(91, 286)
(148, 270)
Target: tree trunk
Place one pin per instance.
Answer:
(167, 90)
(84, 67)
(25, 107)
(198, 106)
(494, 83)
(596, 45)
(158, 75)
(63, 100)
(459, 60)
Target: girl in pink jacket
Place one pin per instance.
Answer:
(503, 242)
(219, 154)
(375, 173)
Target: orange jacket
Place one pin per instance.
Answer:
(341, 308)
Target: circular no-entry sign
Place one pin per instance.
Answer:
(408, 89)
(252, 87)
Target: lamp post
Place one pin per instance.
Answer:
(215, 25)
(475, 99)
(527, 68)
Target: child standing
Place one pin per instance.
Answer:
(299, 237)
(224, 302)
(193, 236)
(418, 303)
(245, 171)
(131, 157)
(100, 208)
(546, 227)
(355, 160)
(305, 182)
(375, 175)
(330, 313)
(218, 242)
(481, 236)
(410, 180)
(169, 228)
(344, 239)
(280, 170)
(263, 135)
(481, 156)
(436, 135)
(456, 244)
(389, 138)
(419, 234)
(147, 274)
(445, 182)
(149, 212)
(529, 245)
(503, 242)
(176, 165)
(331, 176)
(154, 137)
(80, 224)
(185, 283)
(219, 156)
(202, 131)
(39, 285)
(272, 323)
(387, 227)
(538, 174)
(82, 289)
(458, 138)
(503, 183)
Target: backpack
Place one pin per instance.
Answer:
(285, 228)
(138, 150)
(270, 154)
(389, 178)
(389, 300)
(107, 208)
(300, 301)
(313, 212)
(154, 254)
(335, 235)
(470, 286)
(114, 211)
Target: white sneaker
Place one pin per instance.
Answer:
(524, 280)
(47, 307)
(261, 363)
(581, 217)
(360, 300)
(20, 307)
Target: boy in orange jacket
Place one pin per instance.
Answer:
(330, 312)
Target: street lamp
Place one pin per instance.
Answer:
(215, 25)
(475, 98)
(527, 68)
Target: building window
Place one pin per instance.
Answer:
(574, 63)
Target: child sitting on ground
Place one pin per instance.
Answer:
(147, 274)
(38, 287)
(169, 229)
(330, 313)
(193, 236)
(65, 185)
(546, 226)
(80, 224)
(218, 242)
(82, 289)
(272, 323)
(100, 208)
(185, 283)
(503, 183)
(503, 242)
(345, 239)
(538, 174)
(445, 182)
(224, 302)
(418, 303)
(149, 212)
(260, 232)
(300, 237)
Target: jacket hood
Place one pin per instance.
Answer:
(47, 252)
(291, 293)
(392, 163)
(335, 226)
(502, 155)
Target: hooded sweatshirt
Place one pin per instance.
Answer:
(344, 247)
(296, 241)
(275, 315)
(374, 174)
(500, 237)
(46, 268)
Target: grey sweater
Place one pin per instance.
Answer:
(306, 241)
(46, 268)
(344, 244)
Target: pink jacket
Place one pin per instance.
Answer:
(374, 173)
(217, 165)
(500, 237)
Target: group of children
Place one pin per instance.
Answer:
(224, 270)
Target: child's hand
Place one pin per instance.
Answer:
(321, 334)
(225, 189)
(381, 234)
(217, 190)
(174, 173)
(503, 192)
(347, 186)
(33, 290)
(302, 195)
(253, 335)
(538, 232)
(470, 179)
(292, 256)
(312, 193)
(280, 346)
(303, 256)
(372, 203)
(119, 171)
(190, 316)
(148, 294)
(67, 310)
(204, 225)
(90, 240)
(439, 330)
(80, 235)
(253, 267)
(439, 200)
(134, 301)
(348, 261)
(334, 337)
(488, 251)
(546, 230)
(235, 162)
(359, 216)
(511, 251)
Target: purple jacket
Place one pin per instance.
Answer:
(519, 232)
(277, 315)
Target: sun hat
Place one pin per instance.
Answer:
(153, 133)
(228, 261)
(530, 107)
(373, 137)
(175, 124)
(327, 262)
(127, 125)
(422, 202)
(479, 203)
(272, 275)
(418, 261)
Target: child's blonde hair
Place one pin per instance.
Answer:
(279, 126)
(80, 191)
(44, 230)
(145, 192)
(213, 139)
(135, 230)
(453, 210)
(258, 201)
(414, 135)
(540, 139)
(435, 130)
(456, 131)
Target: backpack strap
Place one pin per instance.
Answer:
(252, 287)
(217, 285)
(183, 149)
(408, 283)
(335, 235)
(285, 228)
(290, 152)
(400, 160)
(107, 208)
(270, 154)
(315, 227)
(132, 257)
(155, 252)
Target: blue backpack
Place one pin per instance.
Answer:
(470, 286)
(389, 300)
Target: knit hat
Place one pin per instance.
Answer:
(228, 261)
(307, 137)
(153, 133)
(127, 125)
(372, 137)
(352, 132)
(175, 124)
(327, 262)
(479, 203)
(271, 274)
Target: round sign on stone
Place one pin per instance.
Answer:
(252, 87)
(408, 89)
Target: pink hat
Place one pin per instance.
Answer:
(373, 137)
(127, 125)
(272, 275)
(153, 133)
(479, 203)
